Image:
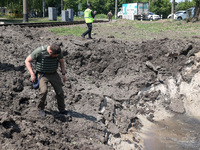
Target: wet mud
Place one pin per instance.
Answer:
(178, 133)
(110, 84)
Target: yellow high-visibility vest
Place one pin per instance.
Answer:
(87, 15)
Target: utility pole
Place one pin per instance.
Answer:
(172, 11)
(115, 9)
(61, 6)
(87, 1)
(43, 8)
(25, 14)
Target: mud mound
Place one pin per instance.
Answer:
(104, 79)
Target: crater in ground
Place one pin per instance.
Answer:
(115, 90)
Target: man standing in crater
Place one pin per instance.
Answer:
(46, 62)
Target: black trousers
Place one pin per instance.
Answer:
(89, 25)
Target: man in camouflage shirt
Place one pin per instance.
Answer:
(46, 62)
(110, 15)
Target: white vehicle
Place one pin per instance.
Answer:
(153, 16)
(120, 13)
(177, 13)
(188, 13)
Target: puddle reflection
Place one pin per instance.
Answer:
(177, 133)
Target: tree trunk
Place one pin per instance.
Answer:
(149, 5)
(197, 12)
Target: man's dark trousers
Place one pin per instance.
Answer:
(89, 30)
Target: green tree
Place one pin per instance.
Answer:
(110, 5)
(102, 6)
(12, 4)
(161, 7)
(184, 5)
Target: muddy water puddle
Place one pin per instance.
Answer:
(177, 133)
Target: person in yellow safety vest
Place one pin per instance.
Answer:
(89, 16)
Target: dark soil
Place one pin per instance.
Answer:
(104, 77)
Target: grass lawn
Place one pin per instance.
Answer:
(125, 29)
(137, 30)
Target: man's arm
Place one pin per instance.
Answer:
(62, 66)
(93, 13)
(28, 66)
